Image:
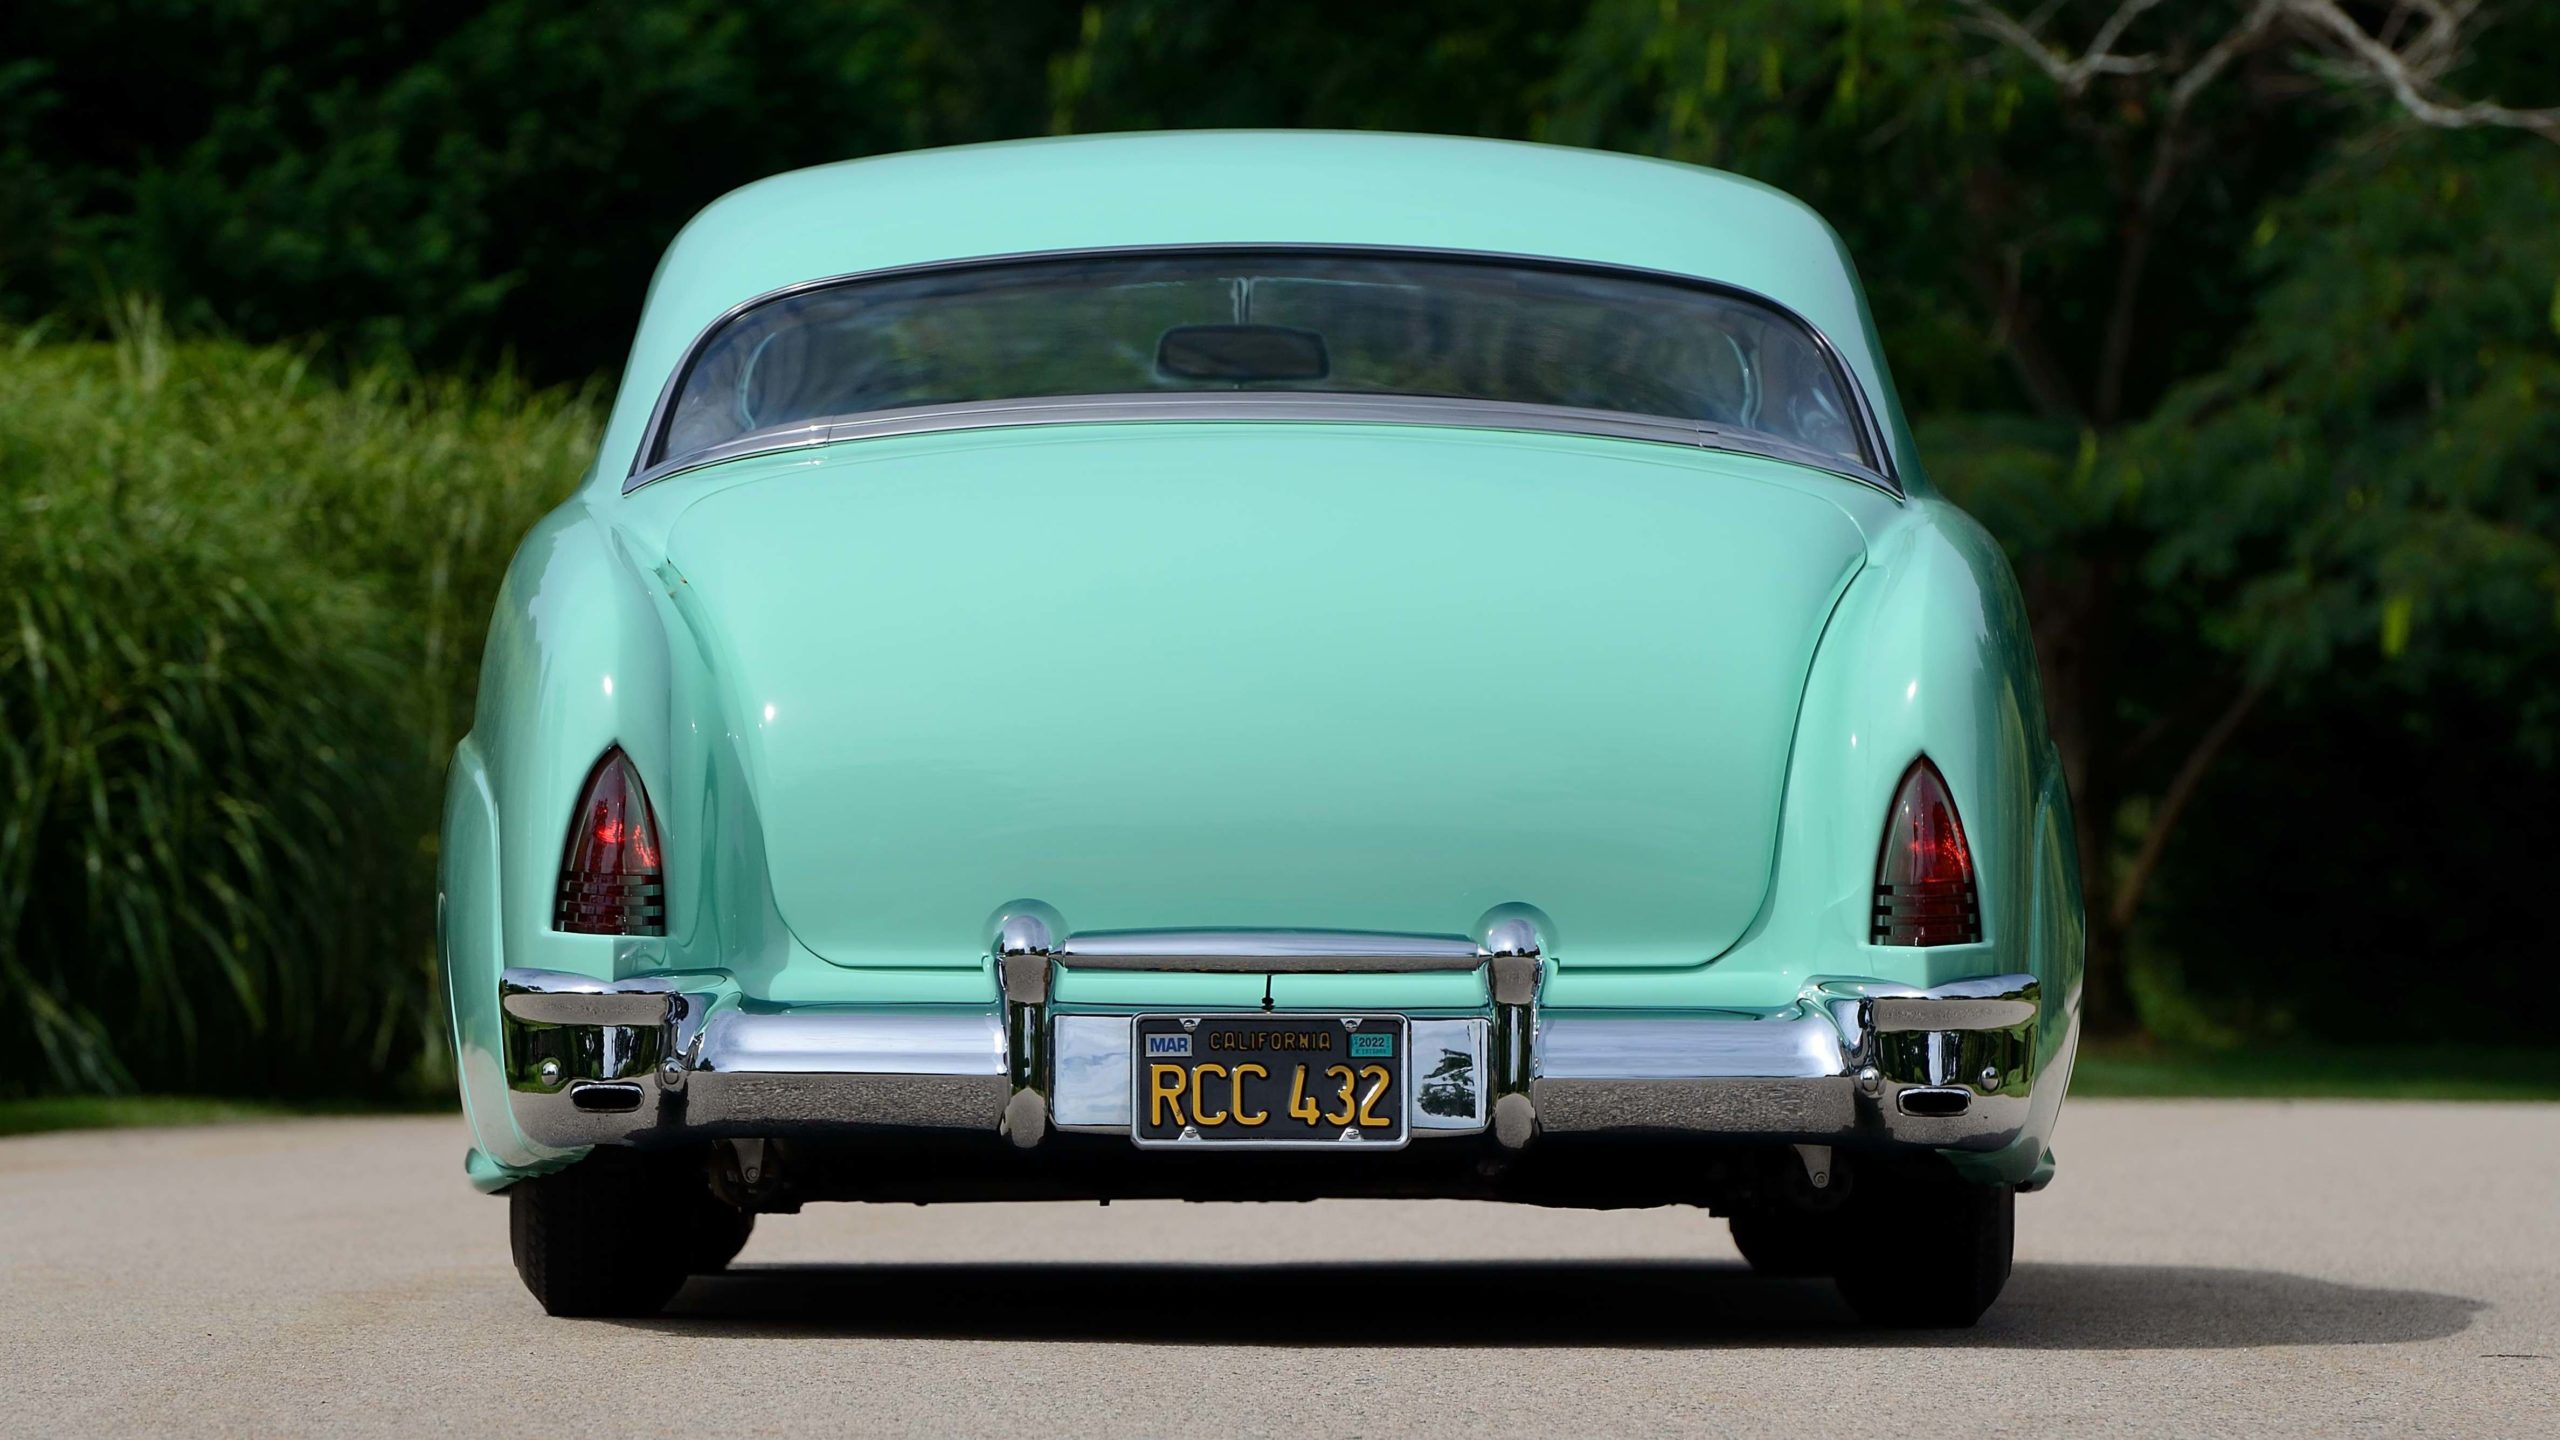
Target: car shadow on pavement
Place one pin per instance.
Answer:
(1514, 1303)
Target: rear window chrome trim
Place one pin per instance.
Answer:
(1413, 409)
(1263, 407)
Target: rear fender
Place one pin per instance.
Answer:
(473, 950)
(576, 662)
(1927, 653)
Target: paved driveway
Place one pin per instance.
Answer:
(2204, 1267)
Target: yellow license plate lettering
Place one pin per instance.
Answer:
(1165, 1084)
(1263, 1081)
(1200, 1110)
(1301, 1104)
(1235, 1095)
(1378, 1078)
(1348, 1108)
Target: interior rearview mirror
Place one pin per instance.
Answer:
(1242, 353)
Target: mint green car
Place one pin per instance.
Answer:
(1261, 666)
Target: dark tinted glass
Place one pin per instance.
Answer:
(1323, 322)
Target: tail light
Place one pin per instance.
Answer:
(1924, 879)
(610, 879)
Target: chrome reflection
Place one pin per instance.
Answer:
(1855, 1061)
(1950, 1067)
(1290, 952)
(1089, 1087)
(1449, 1082)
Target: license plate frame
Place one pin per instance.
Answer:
(1339, 1137)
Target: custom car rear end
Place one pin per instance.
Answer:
(1252, 667)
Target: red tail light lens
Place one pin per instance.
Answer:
(1924, 879)
(610, 879)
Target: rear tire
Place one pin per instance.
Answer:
(719, 1232)
(1787, 1244)
(1928, 1253)
(596, 1239)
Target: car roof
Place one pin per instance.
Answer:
(1244, 187)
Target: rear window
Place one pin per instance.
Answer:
(1121, 324)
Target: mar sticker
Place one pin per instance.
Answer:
(1373, 1044)
(1163, 1045)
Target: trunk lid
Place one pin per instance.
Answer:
(1307, 676)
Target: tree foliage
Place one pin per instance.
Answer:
(2237, 320)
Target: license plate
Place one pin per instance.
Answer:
(1336, 1081)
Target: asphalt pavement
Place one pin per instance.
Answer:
(2212, 1267)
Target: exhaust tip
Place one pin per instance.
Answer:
(609, 1097)
(1934, 1102)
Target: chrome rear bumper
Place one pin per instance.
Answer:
(592, 1062)
(1855, 1062)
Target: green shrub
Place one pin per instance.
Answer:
(243, 616)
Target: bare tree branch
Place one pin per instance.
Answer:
(2170, 152)
(2071, 75)
(2406, 53)
(2217, 58)
(2408, 73)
